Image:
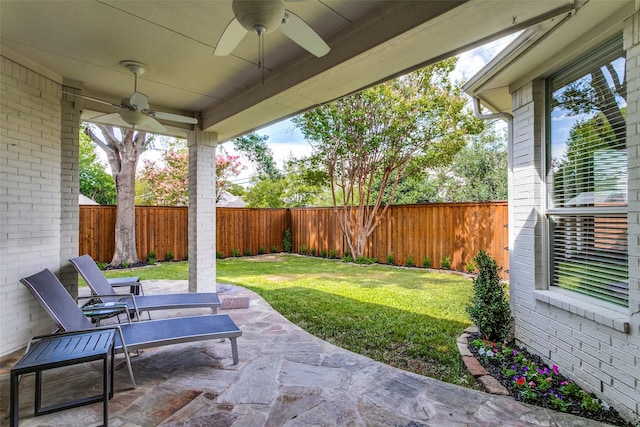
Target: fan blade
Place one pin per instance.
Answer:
(154, 125)
(301, 33)
(173, 117)
(232, 36)
(101, 101)
(114, 119)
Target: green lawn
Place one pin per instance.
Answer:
(408, 318)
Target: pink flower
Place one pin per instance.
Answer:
(556, 370)
(532, 384)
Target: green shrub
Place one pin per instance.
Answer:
(333, 254)
(347, 257)
(426, 262)
(313, 251)
(261, 250)
(125, 265)
(323, 253)
(101, 265)
(186, 256)
(364, 260)
(274, 249)
(151, 257)
(235, 252)
(303, 250)
(219, 255)
(489, 308)
(168, 256)
(470, 266)
(391, 259)
(445, 263)
(287, 244)
(247, 252)
(409, 262)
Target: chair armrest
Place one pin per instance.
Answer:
(132, 282)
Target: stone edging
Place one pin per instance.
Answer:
(490, 384)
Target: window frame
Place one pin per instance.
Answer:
(575, 301)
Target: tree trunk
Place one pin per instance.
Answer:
(123, 154)
(125, 233)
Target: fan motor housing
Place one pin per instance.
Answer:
(259, 13)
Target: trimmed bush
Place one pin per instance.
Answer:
(287, 244)
(445, 263)
(489, 308)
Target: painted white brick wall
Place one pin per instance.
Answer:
(69, 189)
(30, 208)
(202, 211)
(602, 359)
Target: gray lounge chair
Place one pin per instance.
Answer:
(100, 287)
(68, 317)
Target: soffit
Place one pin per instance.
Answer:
(547, 48)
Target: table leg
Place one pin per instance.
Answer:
(105, 389)
(14, 406)
(113, 369)
(38, 401)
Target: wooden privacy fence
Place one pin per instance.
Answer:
(409, 233)
(413, 233)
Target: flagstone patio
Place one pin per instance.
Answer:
(286, 377)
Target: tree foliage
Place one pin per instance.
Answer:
(479, 172)
(255, 147)
(300, 185)
(372, 140)
(95, 182)
(166, 182)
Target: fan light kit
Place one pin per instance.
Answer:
(264, 17)
(135, 109)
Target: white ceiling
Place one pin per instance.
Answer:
(82, 42)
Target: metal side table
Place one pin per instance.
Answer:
(55, 351)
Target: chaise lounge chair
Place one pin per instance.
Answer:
(68, 317)
(100, 287)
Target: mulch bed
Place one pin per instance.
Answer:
(495, 368)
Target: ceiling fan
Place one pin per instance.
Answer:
(135, 110)
(263, 17)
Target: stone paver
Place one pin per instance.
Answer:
(286, 377)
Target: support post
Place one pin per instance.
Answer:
(202, 211)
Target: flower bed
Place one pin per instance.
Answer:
(528, 379)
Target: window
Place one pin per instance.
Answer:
(587, 176)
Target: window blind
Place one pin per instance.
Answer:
(587, 176)
(590, 256)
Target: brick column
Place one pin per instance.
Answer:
(69, 187)
(526, 264)
(202, 211)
